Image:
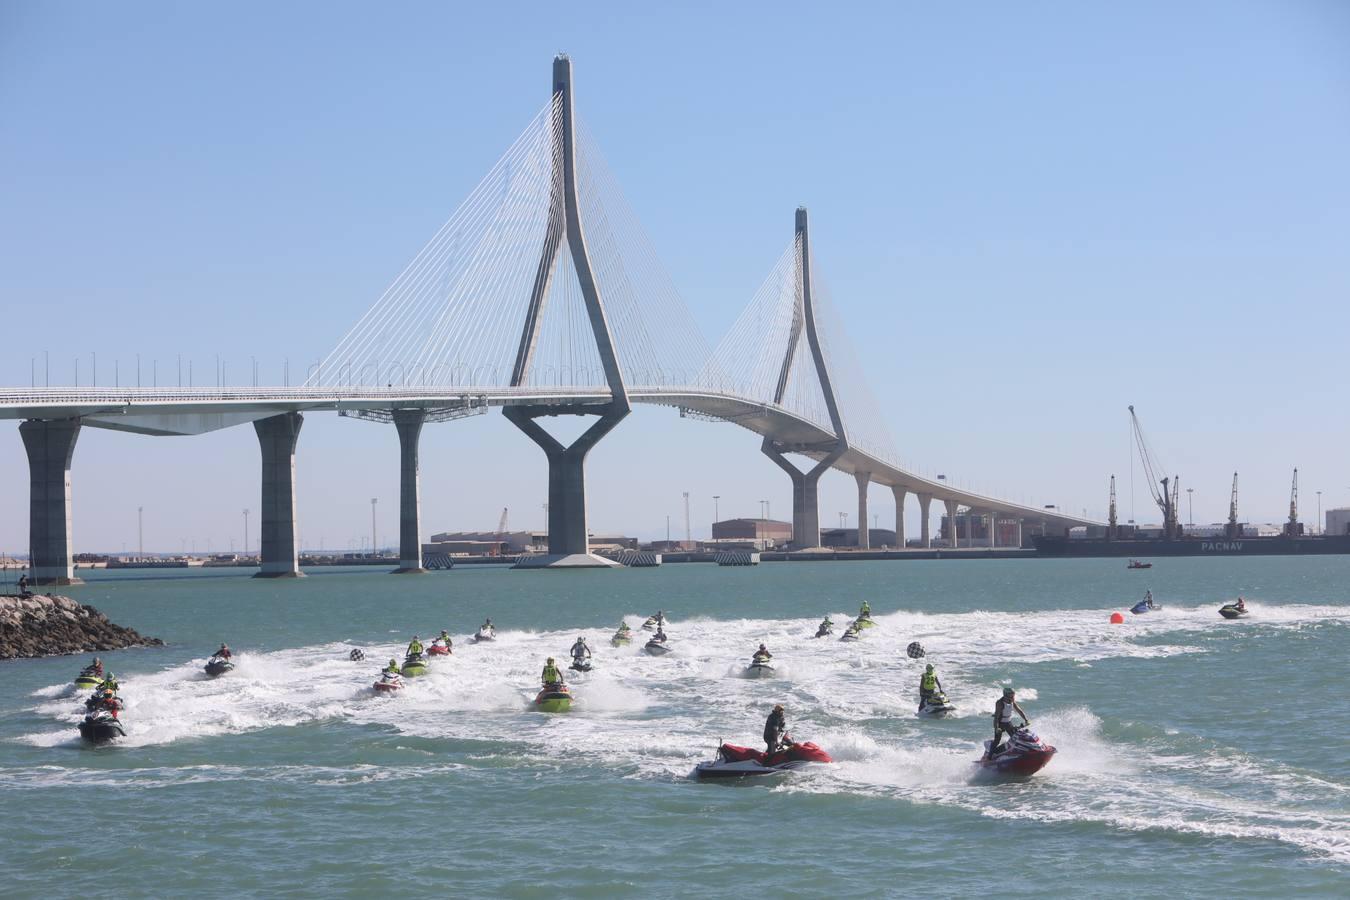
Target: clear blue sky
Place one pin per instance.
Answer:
(1031, 215)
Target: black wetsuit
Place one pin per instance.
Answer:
(774, 727)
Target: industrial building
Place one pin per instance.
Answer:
(1338, 520)
(848, 537)
(765, 533)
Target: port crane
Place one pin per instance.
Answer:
(1111, 516)
(501, 533)
(1233, 530)
(1171, 487)
(1292, 528)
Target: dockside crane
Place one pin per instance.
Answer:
(1233, 529)
(1111, 515)
(501, 532)
(1293, 528)
(1165, 498)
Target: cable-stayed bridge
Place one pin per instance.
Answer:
(541, 295)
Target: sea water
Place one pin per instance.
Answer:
(1197, 756)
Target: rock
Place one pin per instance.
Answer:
(51, 625)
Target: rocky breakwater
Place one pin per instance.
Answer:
(48, 625)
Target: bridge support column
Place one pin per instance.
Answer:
(277, 436)
(805, 492)
(1019, 533)
(50, 445)
(568, 540)
(993, 529)
(951, 523)
(864, 531)
(899, 494)
(925, 521)
(409, 425)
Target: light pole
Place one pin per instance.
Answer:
(1320, 529)
(1190, 505)
(246, 532)
(373, 501)
(140, 531)
(717, 517)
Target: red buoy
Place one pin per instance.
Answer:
(1117, 619)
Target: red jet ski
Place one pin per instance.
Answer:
(1023, 755)
(438, 648)
(738, 762)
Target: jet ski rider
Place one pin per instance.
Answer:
(774, 726)
(109, 684)
(865, 611)
(487, 628)
(825, 626)
(660, 636)
(445, 636)
(414, 647)
(392, 668)
(1241, 607)
(762, 654)
(580, 651)
(224, 651)
(1148, 600)
(1003, 718)
(551, 677)
(928, 685)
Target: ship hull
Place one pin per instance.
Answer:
(1055, 546)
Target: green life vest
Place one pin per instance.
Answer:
(928, 682)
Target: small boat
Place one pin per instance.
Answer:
(101, 726)
(414, 664)
(1023, 755)
(656, 648)
(936, 706)
(1136, 564)
(553, 698)
(217, 666)
(759, 668)
(742, 762)
(438, 648)
(389, 683)
(1233, 611)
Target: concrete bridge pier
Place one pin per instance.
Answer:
(951, 523)
(50, 445)
(568, 539)
(864, 531)
(925, 521)
(1019, 533)
(805, 493)
(899, 494)
(409, 424)
(993, 529)
(277, 436)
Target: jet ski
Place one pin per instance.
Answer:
(553, 698)
(438, 648)
(621, 637)
(864, 622)
(1142, 607)
(654, 623)
(936, 706)
(89, 678)
(580, 664)
(101, 726)
(1228, 611)
(851, 634)
(824, 630)
(484, 634)
(741, 762)
(389, 683)
(656, 648)
(217, 666)
(759, 668)
(1023, 755)
(414, 664)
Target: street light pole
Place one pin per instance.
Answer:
(140, 531)
(246, 532)
(1190, 505)
(373, 501)
(717, 516)
(1320, 529)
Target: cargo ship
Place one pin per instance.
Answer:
(1055, 545)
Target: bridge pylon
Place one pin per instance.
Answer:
(805, 484)
(568, 539)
